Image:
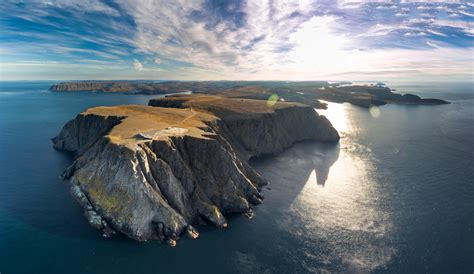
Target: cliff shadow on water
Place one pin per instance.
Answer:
(295, 165)
(287, 173)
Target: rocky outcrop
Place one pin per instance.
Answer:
(366, 96)
(117, 86)
(93, 86)
(253, 129)
(152, 172)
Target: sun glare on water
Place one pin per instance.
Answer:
(337, 114)
(341, 197)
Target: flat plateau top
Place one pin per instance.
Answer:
(142, 123)
(212, 102)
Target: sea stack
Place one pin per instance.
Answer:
(151, 172)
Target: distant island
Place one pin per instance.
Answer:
(152, 172)
(307, 92)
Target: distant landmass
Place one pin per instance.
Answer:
(307, 92)
(151, 172)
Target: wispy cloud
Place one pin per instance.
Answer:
(137, 65)
(234, 39)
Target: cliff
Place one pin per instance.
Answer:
(255, 128)
(93, 86)
(152, 172)
(379, 94)
(117, 86)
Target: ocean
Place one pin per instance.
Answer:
(394, 196)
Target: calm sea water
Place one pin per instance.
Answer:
(395, 196)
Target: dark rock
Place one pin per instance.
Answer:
(191, 232)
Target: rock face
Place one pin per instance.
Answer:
(252, 128)
(366, 96)
(92, 86)
(117, 86)
(151, 172)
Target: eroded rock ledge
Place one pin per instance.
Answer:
(151, 172)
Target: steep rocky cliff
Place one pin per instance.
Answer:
(117, 86)
(93, 86)
(152, 172)
(253, 127)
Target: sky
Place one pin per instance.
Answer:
(237, 40)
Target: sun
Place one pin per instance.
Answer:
(318, 48)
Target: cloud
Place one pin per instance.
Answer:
(359, 3)
(264, 39)
(431, 44)
(137, 65)
(432, 1)
(83, 5)
(465, 26)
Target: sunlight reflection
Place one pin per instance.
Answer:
(345, 208)
(349, 203)
(331, 195)
(337, 114)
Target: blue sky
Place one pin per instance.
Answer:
(211, 40)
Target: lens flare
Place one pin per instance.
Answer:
(374, 111)
(272, 100)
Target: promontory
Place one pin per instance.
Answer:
(152, 172)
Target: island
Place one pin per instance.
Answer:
(153, 172)
(306, 92)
